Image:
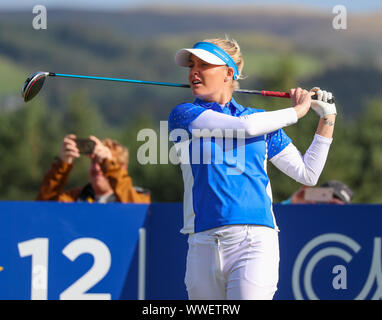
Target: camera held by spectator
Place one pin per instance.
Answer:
(334, 192)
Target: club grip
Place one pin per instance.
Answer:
(287, 95)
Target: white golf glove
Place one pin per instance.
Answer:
(321, 105)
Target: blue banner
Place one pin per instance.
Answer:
(124, 251)
(67, 251)
(330, 252)
(326, 252)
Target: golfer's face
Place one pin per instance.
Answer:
(206, 80)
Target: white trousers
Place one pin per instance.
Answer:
(235, 262)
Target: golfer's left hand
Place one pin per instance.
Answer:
(321, 105)
(100, 152)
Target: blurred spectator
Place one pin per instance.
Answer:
(340, 194)
(109, 180)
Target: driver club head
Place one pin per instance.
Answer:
(33, 85)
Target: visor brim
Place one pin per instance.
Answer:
(182, 57)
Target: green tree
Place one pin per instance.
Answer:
(368, 137)
(30, 138)
(27, 137)
(163, 180)
(82, 118)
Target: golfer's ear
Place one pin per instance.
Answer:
(230, 72)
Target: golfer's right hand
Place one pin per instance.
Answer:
(69, 149)
(301, 101)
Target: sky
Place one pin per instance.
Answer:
(353, 6)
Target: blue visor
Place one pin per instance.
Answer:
(220, 53)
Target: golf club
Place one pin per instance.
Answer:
(35, 81)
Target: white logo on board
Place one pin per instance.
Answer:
(375, 272)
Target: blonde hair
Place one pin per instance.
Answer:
(231, 47)
(118, 151)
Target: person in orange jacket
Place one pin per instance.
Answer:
(109, 180)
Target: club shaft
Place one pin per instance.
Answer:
(168, 84)
(179, 85)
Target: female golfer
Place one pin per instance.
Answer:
(233, 237)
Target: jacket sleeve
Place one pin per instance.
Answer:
(54, 182)
(122, 183)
